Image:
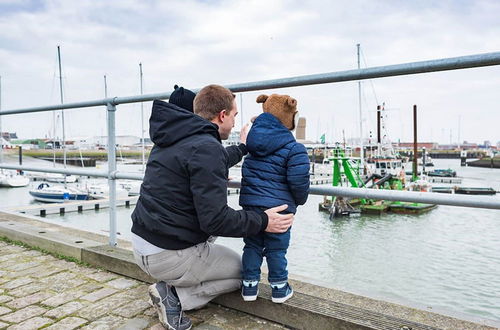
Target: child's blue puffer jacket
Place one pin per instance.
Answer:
(276, 170)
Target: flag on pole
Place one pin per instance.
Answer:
(322, 138)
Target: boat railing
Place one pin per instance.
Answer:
(455, 63)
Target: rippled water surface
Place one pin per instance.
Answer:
(447, 259)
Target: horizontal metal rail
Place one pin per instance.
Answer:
(378, 194)
(453, 63)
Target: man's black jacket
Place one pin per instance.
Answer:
(183, 196)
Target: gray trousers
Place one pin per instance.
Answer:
(199, 273)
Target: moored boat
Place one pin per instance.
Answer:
(53, 194)
(13, 179)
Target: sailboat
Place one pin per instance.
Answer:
(9, 178)
(47, 193)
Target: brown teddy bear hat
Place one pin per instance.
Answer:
(282, 107)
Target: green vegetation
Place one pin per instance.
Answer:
(95, 154)
(58, 256)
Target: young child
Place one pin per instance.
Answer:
(275, 172)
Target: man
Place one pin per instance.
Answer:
(183, 202)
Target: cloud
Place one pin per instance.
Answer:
(194, 43)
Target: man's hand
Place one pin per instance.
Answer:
(278, 223)
(244, 133)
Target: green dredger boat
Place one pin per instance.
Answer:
(381, 173)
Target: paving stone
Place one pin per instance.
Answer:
(122, 283)
(99, 294)
(23, 314)
(5, 298)
(62, 298)
(33, 323)
(62, 276)
(140, 292)
(151, 311)
(134, 324)
(157, 326)
(61, 286)
(3, 325)
(2, 291)
(26, 290)
(90, 287)
(10, 262)
(29, 300)
(105, 323)
(101, 276)
(65, 310)
(104, 306)
(28, 271)
(205, 326)
(132, 309)
(23, 266)
(4, 310)
(47, 272)
(2, 273)
(67, 324)
(64, 264)
(31, 253)
(6, 257)
(16, 283)
(83, 270)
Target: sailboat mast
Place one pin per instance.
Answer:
(142, 123)
(1, 134)
(62, 111)
(361, 151)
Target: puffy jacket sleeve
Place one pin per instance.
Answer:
(297, 173)
(207, 168)
(235, 154)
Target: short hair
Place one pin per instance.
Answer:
(211, 100)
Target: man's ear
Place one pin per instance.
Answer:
(222, 116)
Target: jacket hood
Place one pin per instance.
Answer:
(170, 123)
(267, 135)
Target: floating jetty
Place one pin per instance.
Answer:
(444, 180)
(411, 208)
(475, 191)
(464, 190)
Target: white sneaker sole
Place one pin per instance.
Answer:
(250, 298)
(282, 300)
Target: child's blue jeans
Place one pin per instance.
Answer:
(269, 245)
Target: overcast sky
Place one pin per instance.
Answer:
(195, 43)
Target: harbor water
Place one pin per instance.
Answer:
(446, 260)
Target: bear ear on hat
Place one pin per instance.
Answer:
(262, 98)
(176, 86)
(291, 102)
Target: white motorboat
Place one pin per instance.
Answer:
(53, 194)
(58, 177)
(132, 186)
(13, 179)
(101, 191)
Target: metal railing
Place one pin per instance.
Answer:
(463, 62)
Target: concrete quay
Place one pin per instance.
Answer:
(39, 290)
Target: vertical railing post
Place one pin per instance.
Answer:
(112, 172)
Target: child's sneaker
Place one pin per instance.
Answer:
(250, 290)
(281, 292)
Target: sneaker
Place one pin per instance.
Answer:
(250, 290)
(168, 307)
(281, 293)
